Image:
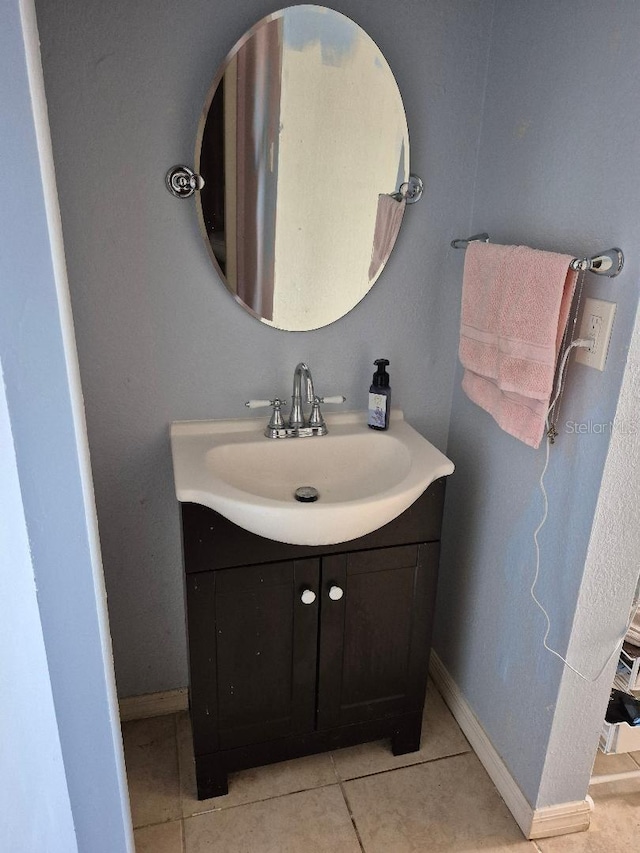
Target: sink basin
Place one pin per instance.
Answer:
(364, 478)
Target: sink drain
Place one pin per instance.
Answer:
(306, 494)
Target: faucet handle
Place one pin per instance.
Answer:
(276, 417)
(260, 404)
(338, 398)
(275, 423)
(315, 419)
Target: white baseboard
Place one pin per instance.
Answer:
(535, 823)
(561, 819)
(154, 704)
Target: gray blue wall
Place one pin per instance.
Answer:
(557, 169)
(159, 338)
(74, 714)
(36, 812)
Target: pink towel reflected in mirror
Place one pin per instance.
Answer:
(388, 221)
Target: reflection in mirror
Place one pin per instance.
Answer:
(303, 148)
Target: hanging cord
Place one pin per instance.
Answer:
(580, 342)
(555, 408)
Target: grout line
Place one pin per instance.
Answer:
(156, 823)
(260, 799)
(348, 805)
(406, 766)
(183, 836)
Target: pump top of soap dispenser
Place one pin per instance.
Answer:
(381, 377)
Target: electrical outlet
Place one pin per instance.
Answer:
(597, 322)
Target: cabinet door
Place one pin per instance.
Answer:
(253, 654)
(375, 639)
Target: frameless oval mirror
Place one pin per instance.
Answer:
(303, 147)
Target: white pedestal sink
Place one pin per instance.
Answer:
(365, 478)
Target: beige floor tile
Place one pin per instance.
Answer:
(441, 736)
(160, 838)
(635, 756)
(612, 763)
(605, 764)
(308, 822)
(615, 828)
(446, 805)
(248, 786)
(151, 757)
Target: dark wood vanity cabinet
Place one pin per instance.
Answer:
(297, 649)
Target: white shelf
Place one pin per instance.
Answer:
(629, 668)
(619, 737)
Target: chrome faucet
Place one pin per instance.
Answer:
(296, 426)
(296, 417)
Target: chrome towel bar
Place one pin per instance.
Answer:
(609, 263)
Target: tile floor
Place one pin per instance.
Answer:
(351, 800)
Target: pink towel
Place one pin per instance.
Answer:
(388, 220)
(515, 306)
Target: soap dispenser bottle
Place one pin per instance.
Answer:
(380, 397)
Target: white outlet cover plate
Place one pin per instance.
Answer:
(603, 312)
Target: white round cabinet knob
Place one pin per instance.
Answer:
(308, 596)
(335, 593)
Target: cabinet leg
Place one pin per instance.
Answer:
(407, 738)
(211, 778)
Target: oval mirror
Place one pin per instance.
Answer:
(304, 150)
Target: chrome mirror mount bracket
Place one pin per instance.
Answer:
(183, 182)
